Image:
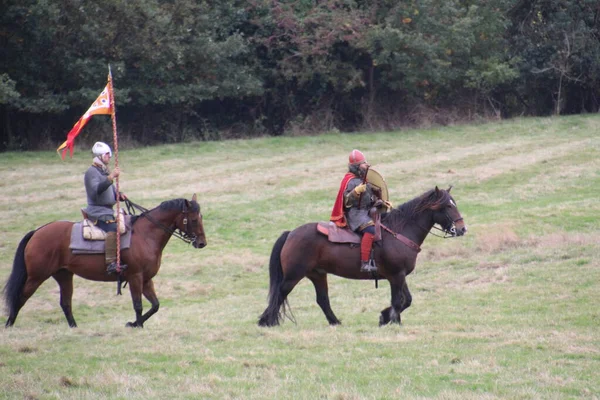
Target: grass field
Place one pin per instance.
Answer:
(510, 311)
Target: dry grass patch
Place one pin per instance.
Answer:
(513, 162)
(558, 239)
(497, 238)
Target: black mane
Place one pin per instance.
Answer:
(175, 204)
(178, 204)
(430, 200)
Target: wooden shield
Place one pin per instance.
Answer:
(375, 179)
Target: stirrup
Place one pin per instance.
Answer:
(112, 268)
(368, 266)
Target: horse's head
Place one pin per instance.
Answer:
(446, 213)
(190, 223)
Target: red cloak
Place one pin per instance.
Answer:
(337, 214)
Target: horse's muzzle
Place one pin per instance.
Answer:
(199, 244)
(459, 229)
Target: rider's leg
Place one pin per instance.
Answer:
(110, 247)
(366, 244)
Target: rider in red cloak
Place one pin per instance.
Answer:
(353, 203)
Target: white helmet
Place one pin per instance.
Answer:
(100, 148)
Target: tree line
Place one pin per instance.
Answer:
(208, 70)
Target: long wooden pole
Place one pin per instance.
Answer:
(113, 115)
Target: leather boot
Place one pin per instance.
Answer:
(110, 253)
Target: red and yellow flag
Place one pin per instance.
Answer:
(102, 105)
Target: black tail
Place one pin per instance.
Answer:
(276, 307)
(16, 281)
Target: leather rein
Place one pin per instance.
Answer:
(402, 238)
(178, 233)
(414, 245)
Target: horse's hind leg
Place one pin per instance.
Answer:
(64, 279)
(31, 285)
(319, 280)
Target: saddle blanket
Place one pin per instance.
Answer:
(343, 235)
(81, 246)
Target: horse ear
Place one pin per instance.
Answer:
(449, 188)
(194, 198)
(437, 190)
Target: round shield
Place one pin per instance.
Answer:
(375, 179)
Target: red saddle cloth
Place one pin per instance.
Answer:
(343, 235)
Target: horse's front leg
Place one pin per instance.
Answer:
(136, 285)
(150, 295)
(401, 300)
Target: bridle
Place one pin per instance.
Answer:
(448, 233)
(185, 236)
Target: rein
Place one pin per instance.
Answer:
(415, 246)
(184, 236)
(402, 238)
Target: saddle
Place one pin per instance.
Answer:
(92, 232)
(335, 234)
(87, 238)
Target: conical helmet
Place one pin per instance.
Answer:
(356, 157)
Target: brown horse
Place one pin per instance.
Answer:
(45, 253)
(304, 252)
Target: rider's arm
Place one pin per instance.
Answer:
(95, 182)
(350, 194)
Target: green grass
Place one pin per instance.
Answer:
(510, 311)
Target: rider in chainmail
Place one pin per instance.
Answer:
(101, 198)
(353, 205)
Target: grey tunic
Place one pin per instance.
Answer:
(358, 216)
(101, 194)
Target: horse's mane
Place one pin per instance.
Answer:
(178, 204)
(400, 215)
(175, 204)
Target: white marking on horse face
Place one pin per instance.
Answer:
(452, 202)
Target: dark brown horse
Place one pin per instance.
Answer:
(45, 253)
(304, 252)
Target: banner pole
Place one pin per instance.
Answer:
(113, 116)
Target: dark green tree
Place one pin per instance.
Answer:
(558, 43)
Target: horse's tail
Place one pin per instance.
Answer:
(16, 281)
(277, 303)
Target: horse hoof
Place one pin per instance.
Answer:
(265, 322)
(383, 320)
(130, 325)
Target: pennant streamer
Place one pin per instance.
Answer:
(102, 105)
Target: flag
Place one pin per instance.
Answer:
(102, 105)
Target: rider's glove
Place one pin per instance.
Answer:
(360, 188)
